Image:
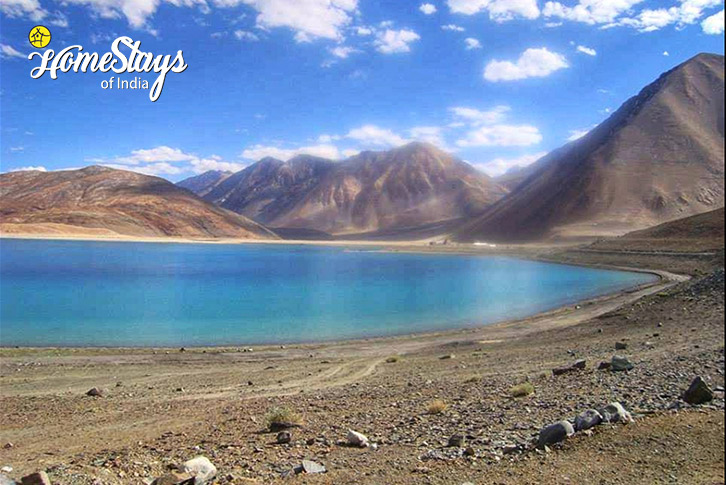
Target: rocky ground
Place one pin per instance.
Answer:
(411, 397)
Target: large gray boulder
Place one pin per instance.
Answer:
(555, 433)
(587, 420)
(698, 392)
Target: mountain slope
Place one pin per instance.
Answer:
(411, 186)
(204, 183)
(659, 157)
(104, 201)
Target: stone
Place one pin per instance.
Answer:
(555, 433)
(311, 467)
(580, 364)
(39, 478)
(621, 364)
(621, 346)
(698, 392)
(174, 479)
(577, 366)
(587, 419)
(283, 437)
(6, 480)
(456, 441)
(469, 451)
(95, 392)
(604, 366)
(357, 439)
(615, 413)
(201, 469)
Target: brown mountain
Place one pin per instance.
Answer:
(702, 232)
(409, 187)
(107, 202)
(204, 183)
(660, 157)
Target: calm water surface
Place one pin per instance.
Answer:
(72, 293)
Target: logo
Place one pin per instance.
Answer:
(39, 36)
(126, 57)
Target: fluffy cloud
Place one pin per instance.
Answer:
(427, 8)
(499, 10)
(395, 41)
(342, 52)
(614, 13)
(502, 136)
(30, 169)
(500, 166)
(429, 134)
(246, 35)
(8, 51)
(23, 8)
(373, 135)
(714, 24)
(472, 43)
(577, 134)
(258, 152)
(164, 160)
(586, 50)
(477, 117)
(532, 63)
(590, 11)
(453, 28)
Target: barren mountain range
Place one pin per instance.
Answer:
(99, 201)
(660, 157)
(402, 189)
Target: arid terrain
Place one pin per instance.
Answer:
(160, 407)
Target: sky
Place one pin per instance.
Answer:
(498, 83)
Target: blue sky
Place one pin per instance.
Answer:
(497, 82)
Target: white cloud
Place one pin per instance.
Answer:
(258, 152)
(501, 135)
(590, 11)
(577, 134)
(342, 52)
(532, 63)
(499, 10)
(164, 160)
(586, 50)
(428, 8)
(39, 168)
(453, 28)
(714, 25)
(429, 134)
(364, 31)
(472, 43)
(373, 135)
(17, 149)
(500, 166)
(666, 53)
(23, 8)
(477, 117)
(246, 35)
(8, 51)
(395, 41)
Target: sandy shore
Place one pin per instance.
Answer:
(163, 406)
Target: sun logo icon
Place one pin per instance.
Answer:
(39, 36)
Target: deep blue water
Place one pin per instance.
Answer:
(72, 293)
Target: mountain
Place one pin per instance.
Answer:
(702, 232)
(397, 190)
(204, 183)
(660, 157)
(107, 202)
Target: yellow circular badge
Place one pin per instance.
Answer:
(39, 36)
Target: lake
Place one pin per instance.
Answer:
(77, 293)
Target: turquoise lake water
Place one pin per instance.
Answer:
(72, 293)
